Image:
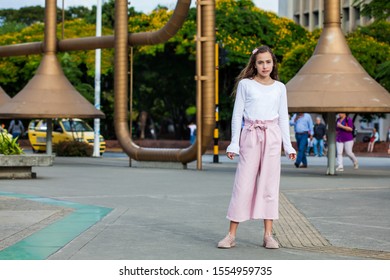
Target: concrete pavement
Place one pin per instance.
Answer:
(99, 208)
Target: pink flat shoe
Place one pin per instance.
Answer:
(227, 243)
(270, 242)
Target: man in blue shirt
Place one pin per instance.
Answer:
(303, 127)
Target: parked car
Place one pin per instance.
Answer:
(63, 130)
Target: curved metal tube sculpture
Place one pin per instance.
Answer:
(205, 73)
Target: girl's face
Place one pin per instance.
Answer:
(264, 64)
(342, 115)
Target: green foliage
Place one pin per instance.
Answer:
(9, 146)
(377, 37)
(16, 71)
(32, 14)
(24, 15)
(243, 27)
(383, 74)
(372, 55)
(77, 12)
(11, 26)
(73, 70)
(73, 149)
(377, 9)
(164, 94)
(295, 59)
(379, 30)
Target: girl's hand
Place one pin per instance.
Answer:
(292, 156)
(230, 155)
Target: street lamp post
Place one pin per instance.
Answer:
(96, 142)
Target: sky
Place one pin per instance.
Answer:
(140, 5)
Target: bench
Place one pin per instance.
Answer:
(20, 166)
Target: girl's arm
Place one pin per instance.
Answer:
(238, 113)
(284, 124)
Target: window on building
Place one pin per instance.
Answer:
(316, 19)
(345, 19)
(306, 19)
(296, 19)
(356, 13)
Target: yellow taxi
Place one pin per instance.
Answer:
(63, 130)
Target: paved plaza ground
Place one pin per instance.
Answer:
(101, 209)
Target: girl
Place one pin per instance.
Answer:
(261, 100)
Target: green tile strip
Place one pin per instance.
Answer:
(43, 243)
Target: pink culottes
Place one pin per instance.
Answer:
(256, 185)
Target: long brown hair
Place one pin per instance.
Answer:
(250, 70)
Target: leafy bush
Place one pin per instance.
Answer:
(372, 54)
(9, 146)
(380, 31)
(73, 149)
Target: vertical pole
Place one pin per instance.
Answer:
(321, 13)
(199, 73)
(331, 119)
(49, 143)
(50, 46)
(131, 98)
(63, 19)
(216, 130)
(96, 142)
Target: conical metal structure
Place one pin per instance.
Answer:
(4, 98)
(49, 94)
(332, 80)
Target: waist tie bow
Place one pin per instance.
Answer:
(259, 126)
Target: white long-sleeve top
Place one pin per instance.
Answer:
(255, 101)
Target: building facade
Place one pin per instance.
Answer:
(310, 13)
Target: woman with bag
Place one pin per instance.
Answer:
(344, 141)
(262, 101)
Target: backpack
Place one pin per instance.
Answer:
(354, 131)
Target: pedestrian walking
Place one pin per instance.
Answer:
(344, 141)
(192, 128)
(16, 128)
(319, 135)
(261, 100)
(303, 127)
